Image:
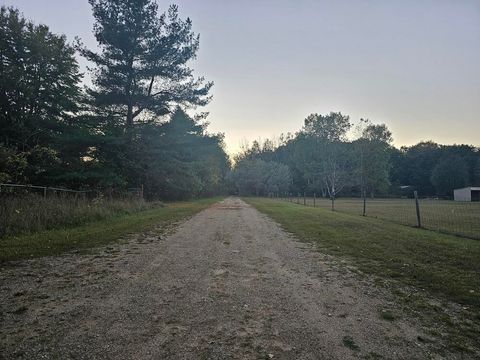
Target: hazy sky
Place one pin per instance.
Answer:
(414, 65)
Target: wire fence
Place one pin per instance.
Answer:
(48, 191)
(447, 216)
(31, 208)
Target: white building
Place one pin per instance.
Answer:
(467, 194)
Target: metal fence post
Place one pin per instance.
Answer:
(304, 199)
(314, 198)
(417, 208)
(364, 203)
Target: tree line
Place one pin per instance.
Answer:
(130, 127)
(321, 159)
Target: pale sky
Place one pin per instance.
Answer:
(414, 65)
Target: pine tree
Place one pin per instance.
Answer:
(141, 70)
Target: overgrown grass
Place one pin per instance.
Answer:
(439, 265)
(33, 213)
(57, 241)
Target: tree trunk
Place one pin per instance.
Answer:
(130, 116)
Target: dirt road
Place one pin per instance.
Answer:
(227, 284)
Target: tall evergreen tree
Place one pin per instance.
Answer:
(142, 68)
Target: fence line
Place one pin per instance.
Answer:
(45, 189)
(447, 216)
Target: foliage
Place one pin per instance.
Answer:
(331, 127)
(258, 177)
(374, 164)
(323, 160)
(178, 159)
(415, 166)
(12, 164)
(141, 69)
(38, 81)
(449, 174)
(127, 130)
(39, 92)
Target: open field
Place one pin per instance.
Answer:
(457, 218)
(96, 233)
(444, 266)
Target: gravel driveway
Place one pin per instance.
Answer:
(228, 283)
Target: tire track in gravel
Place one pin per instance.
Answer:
(228, 283)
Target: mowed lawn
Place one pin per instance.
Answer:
(446, 265)
(458, 218)
(93, 234)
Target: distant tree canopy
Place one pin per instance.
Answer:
(448, 174)
(130, 128)
(258, 177)
(321, 159)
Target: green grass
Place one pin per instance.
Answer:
(453, 217)
(417, 265)
(444, 264)
(57, 241)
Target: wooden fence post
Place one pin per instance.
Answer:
(304, 199)
(314, 199)
(417, 208)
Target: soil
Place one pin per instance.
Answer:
(228, 283)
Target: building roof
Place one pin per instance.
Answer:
(475, 188)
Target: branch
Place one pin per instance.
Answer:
(151, 86)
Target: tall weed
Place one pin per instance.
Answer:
(32, 213)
